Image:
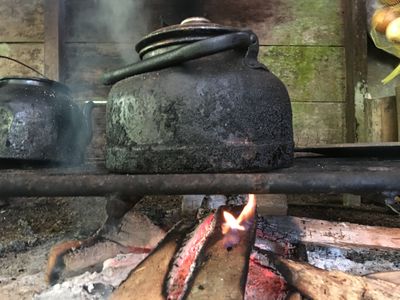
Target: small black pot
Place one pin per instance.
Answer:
(39, 121)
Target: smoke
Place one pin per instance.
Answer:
(124, 22)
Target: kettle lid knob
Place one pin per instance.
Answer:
(195, 20)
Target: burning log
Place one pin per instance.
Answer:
(56, 264)
(321, 284)
(210, 261)
(186, 260)
(264, 283)
(136, 234)
(225, 258)
(147, 280)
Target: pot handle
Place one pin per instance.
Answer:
(242, 39)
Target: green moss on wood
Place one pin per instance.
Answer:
(309, 73)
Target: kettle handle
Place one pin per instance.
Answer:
(241, 39)
(87, 110)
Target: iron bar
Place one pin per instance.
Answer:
(27, 185)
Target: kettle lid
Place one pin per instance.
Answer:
(189, 30)
(34, 81)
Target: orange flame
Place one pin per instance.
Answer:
(232, 223)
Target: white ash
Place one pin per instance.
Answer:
(354, 261)
(21, 287)
(94, 286)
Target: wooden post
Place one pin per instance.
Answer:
(381, 119)
(53, 19)
(355, 42)
(398, 111)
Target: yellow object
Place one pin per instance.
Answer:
(383, 16)
(392, 75)
(385, 32)
(393, 31)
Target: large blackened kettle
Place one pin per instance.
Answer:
(198, 101)
(40, 122)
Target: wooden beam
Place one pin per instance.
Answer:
(355, 42)
(53, 20)
(335, 234)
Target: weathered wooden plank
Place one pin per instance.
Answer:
(30, 54)
(309, 73)
(103, 21)
(21, 21)
(53, 18)
(283, 22)
(294, 22)
(318, 123)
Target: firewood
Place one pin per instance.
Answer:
(265, 283)
(390, 276)
(135, 234)
(333, 233)
(321, 284)
(223, 271)
(294, 296)
(146, 281)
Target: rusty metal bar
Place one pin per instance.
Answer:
(286, 181)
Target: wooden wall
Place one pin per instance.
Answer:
(302, 42)
(21, 36)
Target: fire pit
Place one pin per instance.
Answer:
(265, 261)
(232, 254)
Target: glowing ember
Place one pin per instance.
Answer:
(242, 222)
